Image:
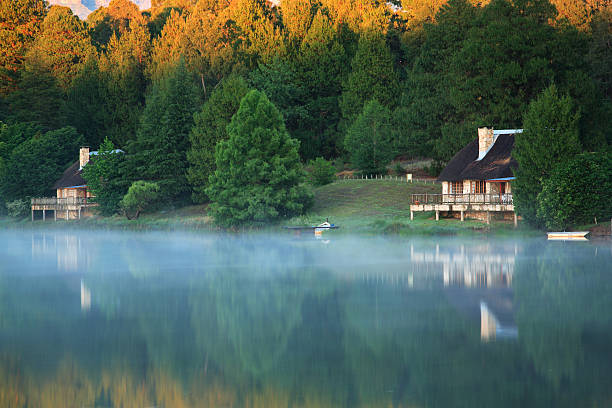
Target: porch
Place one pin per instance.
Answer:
(63, 208)
(480, 205)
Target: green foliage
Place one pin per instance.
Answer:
(209, 128)
(578, 190)
(159, 152)
(39, 99)
(86, 104)
(373, 76)
(550, 137)
(259, 177)
(280, 84)
(104, 178)
(37, 163)
(141, 196)
(369, 140)
(18, 208)
(321, 172)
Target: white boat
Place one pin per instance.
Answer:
(570, 235)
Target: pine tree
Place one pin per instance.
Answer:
(550, 136)
(369, 140)
(63, 45)
(20, 22)
(373, 76)
(211, 127)
(159, 152)
(37, 163)
(259, 177)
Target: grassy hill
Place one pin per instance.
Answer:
(383, 206)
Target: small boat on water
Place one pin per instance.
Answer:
(570, 235)
(318, 229)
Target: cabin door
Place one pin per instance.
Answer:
(502, 191)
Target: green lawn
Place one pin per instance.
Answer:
(357, 206)
(382, 206)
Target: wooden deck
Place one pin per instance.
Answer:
(69, 207)
(462, 203)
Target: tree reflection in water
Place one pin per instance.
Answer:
(180, 320)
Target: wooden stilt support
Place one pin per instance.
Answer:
(55, 215)
(43, 214)
(461, 215)
(79, 213)
(437, 215)
(488, 217)
(32, 215)
(411, 215)
(66, 215)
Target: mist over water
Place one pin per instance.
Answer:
(105, 319)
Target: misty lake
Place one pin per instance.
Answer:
(122, 319)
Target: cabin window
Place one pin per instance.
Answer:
(456, 187)
(479, 187)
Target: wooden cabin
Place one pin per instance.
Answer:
(477, 182)
(72, 200)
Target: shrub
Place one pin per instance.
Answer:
(322, 172)
(577, 191)
(141, 195)
(18, 208)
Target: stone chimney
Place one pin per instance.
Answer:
(485, 141)
(83, 157)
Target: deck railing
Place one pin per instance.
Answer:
(419, 199)
(62, 202)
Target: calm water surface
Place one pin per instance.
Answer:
(118, 319)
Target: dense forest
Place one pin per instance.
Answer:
(164, 84)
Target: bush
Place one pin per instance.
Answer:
(141, 195)
(322, 172)
(577, 191)
(18, 208)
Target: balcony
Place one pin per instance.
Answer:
(64, 208)
(495, 199)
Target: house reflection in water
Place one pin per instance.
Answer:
(477, 282)
(85, 297)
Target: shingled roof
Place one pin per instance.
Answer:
(497, 163)
(71, 177)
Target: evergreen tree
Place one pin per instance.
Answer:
(124, 82)
(104, 178)
(550, 136)
(259, 176)
(321, 66)
(159, 152)
(577, 191)
(20, 22)
(38, 98)
(373, 76)
(281, 85)
(37, 163)
(211, 127)
(86, 105)
(369, 140)
(63, 45)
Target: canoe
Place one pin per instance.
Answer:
(573, 235)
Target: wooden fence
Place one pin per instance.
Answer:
(404, 179)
